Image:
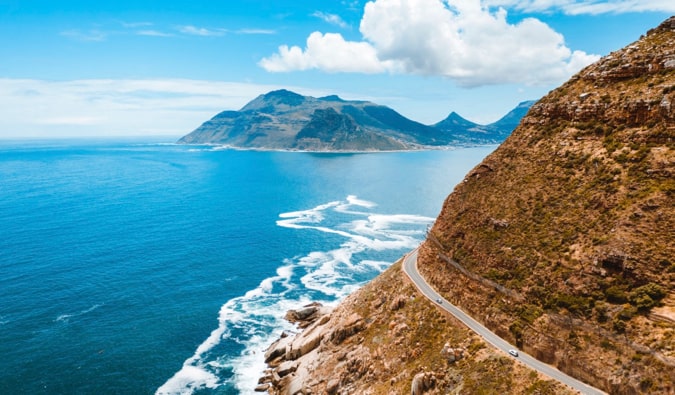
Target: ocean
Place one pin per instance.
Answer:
(145, 267)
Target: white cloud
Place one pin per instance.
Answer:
(329, 52)
(88, 35)
(134, 25)
(37, 108)
(201, 31)
(153, 33)
(594, 7)
(256, 31)
(458, 39)
(331, 18)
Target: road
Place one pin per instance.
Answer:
(410, 268)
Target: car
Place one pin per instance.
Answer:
(439, 300)
(513, 352)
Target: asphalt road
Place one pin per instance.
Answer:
(410, 268)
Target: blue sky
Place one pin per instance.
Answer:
(83, 68)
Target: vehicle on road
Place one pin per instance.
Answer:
(439, 301)
(513, 352)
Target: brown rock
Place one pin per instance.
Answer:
(332, 386)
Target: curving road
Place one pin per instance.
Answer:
(410, 268)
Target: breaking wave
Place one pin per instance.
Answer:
(370, 241)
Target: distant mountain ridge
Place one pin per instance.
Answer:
(286, 120)
(465, 132)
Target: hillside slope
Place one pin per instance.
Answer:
(573, 217)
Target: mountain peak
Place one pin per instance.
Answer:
(335, 98)
(454, 120)
(282, 94)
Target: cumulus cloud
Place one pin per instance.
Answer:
(459, 39)
(329, 52)
(578, 7)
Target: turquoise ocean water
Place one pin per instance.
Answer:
(145, 267)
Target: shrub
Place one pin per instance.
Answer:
(647, 296)
(616, 294)
(627, 313)
(619, 326)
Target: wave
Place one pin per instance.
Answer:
(251, 322)
(66, 317)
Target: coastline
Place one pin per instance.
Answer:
(225, 147)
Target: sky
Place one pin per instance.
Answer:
(161, 68)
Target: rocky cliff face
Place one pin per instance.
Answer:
(565, 237)
(573, 216)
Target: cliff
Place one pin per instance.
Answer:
(567, 231)
(286, 120)
(574, 214)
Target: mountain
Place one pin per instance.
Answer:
(506, 124)
(286, 120)
(465, 132)
(565, 240)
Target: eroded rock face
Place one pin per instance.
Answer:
(292, 357)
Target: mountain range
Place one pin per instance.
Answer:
(286, 120)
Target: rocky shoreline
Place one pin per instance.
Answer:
(386, 338)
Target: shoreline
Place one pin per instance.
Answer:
(226, 147)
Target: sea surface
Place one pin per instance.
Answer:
(141, 267)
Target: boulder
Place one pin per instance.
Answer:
(287, 368)
(332, 386)
(422, 382)
(278, 348)
(304, 343)
(346, 328)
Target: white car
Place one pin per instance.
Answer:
(513, 352)
(439, 300)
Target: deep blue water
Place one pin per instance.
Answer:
(130, 267)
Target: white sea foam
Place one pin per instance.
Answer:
(67, 317)
(354, 201)
(255, 320)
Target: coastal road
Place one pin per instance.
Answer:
(410, 268)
